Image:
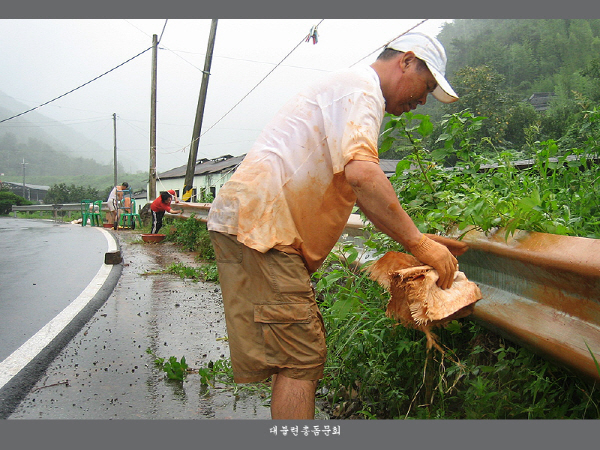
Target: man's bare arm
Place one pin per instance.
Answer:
(377, 199)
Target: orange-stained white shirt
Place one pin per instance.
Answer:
(290, 191)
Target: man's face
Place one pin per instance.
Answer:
(410, 88)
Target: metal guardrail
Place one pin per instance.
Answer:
(69, 207)
(540, 290)
(198, 210)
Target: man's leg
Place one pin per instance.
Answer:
(292, 399)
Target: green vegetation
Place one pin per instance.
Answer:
(555, 194)
(61, 193)
(48, 166)
(379, 370)
(215, 374)
(206, 272)
(192, 235)
(174, 370)
(496, 65)
(8, 199)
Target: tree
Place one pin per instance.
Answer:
(61, 193)
(480, 92)
(8, 199)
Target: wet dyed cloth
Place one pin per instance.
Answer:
(290, 192)
(416, 300)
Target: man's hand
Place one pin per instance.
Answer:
(437, 256)
(457, 248)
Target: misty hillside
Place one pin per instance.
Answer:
(60, 137)
(44, 154)
(47, 151)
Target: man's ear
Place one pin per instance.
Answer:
(408, 58)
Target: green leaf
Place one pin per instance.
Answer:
(426, 127)
(352, 255)
(386, 144)
(402, 166)
(342, 308)
(439, 153)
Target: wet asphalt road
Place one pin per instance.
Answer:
(104, 371)
(44, 266)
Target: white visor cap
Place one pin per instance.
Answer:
(432, 53)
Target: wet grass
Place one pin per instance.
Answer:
(377, 369)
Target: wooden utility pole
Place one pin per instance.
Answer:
(191, 165)
(115, 147)
(152, 177)
(24, 180)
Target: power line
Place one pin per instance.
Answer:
(176, 53)
(264, 78)
(163, 31)
(78, 87)
(305, 39)
(391, 40)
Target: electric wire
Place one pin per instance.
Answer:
(163, 31)
(257, 84)
(278, 64)
(75, 89)
(390, 41)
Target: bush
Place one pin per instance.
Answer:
(377, 369)
(192, 235)
(8, 199)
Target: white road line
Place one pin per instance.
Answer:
(19, 359)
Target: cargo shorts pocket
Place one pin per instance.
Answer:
(293, 334)
(227, 249)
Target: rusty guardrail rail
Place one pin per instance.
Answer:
(540, 290)
(199, 210)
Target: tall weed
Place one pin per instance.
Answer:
(377, 369)
(192, 235)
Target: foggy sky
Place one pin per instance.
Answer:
(41, 59)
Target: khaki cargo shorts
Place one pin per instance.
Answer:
(273, 322)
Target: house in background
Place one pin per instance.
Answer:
(141, 198)
(33, 192)
(209, 176)
(541, 100)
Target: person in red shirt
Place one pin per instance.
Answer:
(158, 208)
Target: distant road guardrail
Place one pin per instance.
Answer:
(69, 207)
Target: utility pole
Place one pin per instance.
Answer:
(24, 179)
(152, 172)
(115, 147)
(191, 165)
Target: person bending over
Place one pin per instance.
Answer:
(275, 221)
(159, 206)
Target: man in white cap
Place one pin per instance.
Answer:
(278, 217)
